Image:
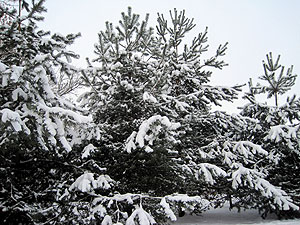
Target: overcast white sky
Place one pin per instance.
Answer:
(252, 27)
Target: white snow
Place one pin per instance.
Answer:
(16, 73)
(107, 220)
(148, 149)
(4, 79)
(247, 148)
(208, 170)
(149, 97)
(142, 216)
(83, 183)
(40, 58)
(88, 150)
(3, 67)
(19, 92)
(116, 66)
(66, 112)
(147, 125)
(223, 216)
(170, 214)
(127, 85)
(254, 179)
(103, 182)
(279, 132)
(186, 198)
(130, 142)
(87, 183)
(15, 119)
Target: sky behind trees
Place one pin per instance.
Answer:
(253, 28)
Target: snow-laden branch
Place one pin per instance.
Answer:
(167, 209)
(280, 132)
(14, 119)
(242, 176)
(87, 183)
(111, 208)
(149, 131)
(248, 149)
(209, 171)
(143, 217)
(88, 150)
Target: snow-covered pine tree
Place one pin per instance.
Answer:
(36, 127)
(143, 83)
(277, 130)
(151, 98)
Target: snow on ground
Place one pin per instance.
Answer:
(226, 217)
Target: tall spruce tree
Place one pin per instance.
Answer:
(158, 140)
(36, 126)
(277, 129)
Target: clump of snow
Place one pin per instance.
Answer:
(4, 80)
(167, 209)
(142, 217)
(84, 183)
(247, 148)
(65, 112)
(186, 198)
(88, 150)
(127, 85)
(149, 97)
(107, 220)
(149, 131)
(103, 182)
(116, 66)
(16, 72)
(208, 170)
(130, 142)
(40, 57)
(148, 149)
(3, 67)
(87, 183)
(19, 92)
(146, 126)
(15, 119)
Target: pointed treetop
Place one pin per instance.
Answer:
(278, 82)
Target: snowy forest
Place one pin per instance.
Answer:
(142, 143)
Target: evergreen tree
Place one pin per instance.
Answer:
(37, 126)
(150, 99)
(277, 129)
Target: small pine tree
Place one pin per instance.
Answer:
(277, 130)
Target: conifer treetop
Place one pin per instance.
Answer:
(277, 82)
